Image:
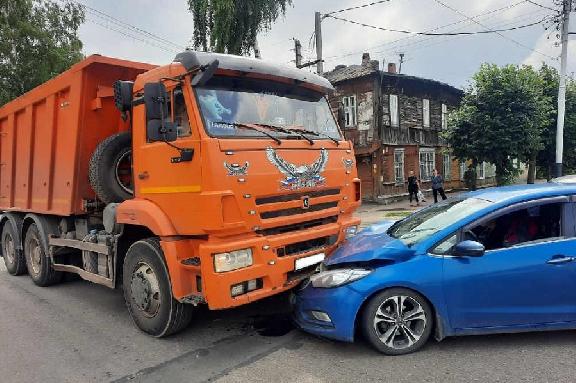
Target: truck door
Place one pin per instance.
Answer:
(158, 177)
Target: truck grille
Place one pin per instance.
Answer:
(318, 200)
(306, 246)
(298, 226)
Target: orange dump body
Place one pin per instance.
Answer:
(48, 135)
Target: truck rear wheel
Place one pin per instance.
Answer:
(38, 262)
(110, 170)
(148, 293)
(11, 251)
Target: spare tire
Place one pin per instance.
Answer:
(110, 169)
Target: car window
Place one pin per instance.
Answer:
(445, 247)
(533, 224)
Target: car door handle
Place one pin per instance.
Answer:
(560, 260)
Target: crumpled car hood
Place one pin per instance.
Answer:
(371, 244)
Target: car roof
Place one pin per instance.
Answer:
(516, 193)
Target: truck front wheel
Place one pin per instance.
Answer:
(147, 291)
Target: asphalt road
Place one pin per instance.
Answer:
(81, 332)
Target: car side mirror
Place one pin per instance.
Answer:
(469, 249)
(158, 124)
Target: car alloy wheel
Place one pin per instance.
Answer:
(400, 322)
(397, 321)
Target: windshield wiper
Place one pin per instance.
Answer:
(287, 131)
(317, 134)
(252, 127)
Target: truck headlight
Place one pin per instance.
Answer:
(351, 231)
(338, 277)
(232, 260)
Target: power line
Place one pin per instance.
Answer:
(132, 28)
(497, 32)
(440, 33)
(356, 7)
(503, 9)
(542, 6)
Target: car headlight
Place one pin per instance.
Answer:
(338, 277)
(351, 231)
(232, 260)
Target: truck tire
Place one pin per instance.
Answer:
(11, 251)
(110, 170)
(148, 293)
(38, 263)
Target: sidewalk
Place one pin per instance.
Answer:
(371, 212)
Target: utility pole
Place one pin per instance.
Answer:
(567, 7)
(318, 33)
(298, 52)
(256, 49)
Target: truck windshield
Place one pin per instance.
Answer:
(428, 221)
(229, 104)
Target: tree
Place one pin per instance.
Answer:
(547, 156)
(500, 119)
(39, 41)
(231, 26)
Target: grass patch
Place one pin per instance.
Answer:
(397, 214)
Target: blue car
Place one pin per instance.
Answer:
(499, 260)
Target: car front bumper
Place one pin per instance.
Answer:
(340, 304)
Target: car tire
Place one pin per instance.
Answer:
(148, 293)
(394, 331)
(110, 169)
(38, 262)
(11, 252)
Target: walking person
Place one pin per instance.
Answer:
(413, 187)
(437, 186)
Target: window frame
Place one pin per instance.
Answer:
(444, 116)
(426, 112)
(398, 181)
(447, 166)
(350, 111)
(394, 112)
(427, 152)
(481, 171)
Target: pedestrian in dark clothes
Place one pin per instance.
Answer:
(437, 186)
(413, 187)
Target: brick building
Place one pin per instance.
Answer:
(395, 121)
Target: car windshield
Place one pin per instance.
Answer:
(428, 221)
(233, 107)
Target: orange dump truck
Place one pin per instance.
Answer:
(215, 180)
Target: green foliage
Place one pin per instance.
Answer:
(547, 156)
(39, 40)
(231, 26)
(500, 119)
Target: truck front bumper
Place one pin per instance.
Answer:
(193, 277)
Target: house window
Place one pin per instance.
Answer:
(446, 166)
(426, 113)
(349, 103)
(399, 166)
(444, 116)
(481, 171)
(463, 169)
(394, 117)
(427, 163)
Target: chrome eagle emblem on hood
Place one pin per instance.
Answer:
(299, 176)
(237, 169)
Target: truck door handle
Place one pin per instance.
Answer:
(560, 260)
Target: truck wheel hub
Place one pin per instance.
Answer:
(9, 249)
(145, 290)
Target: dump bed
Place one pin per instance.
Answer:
(48, 135)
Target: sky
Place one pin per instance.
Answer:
(154, 31)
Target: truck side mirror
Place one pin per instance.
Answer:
(158, 124)
(205, 74)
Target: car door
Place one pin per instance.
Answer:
(527, 283)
